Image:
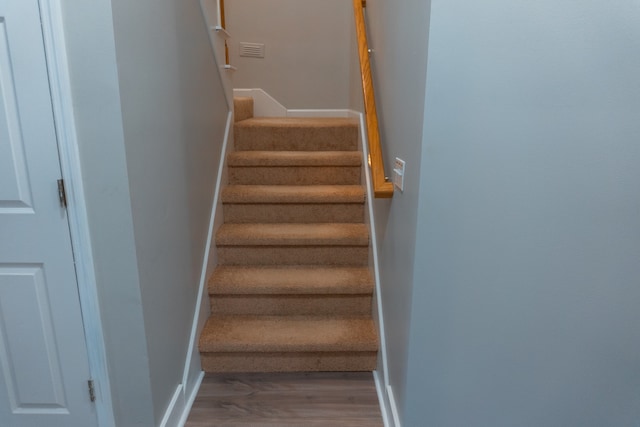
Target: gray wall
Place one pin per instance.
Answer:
(306, 62)
(526, 295)
(398, 34)
(356, 101)
(174, 113)
(98, 116)
(150, 132)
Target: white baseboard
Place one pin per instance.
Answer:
(382, 400)
(393, 407)
(190, 398)
(388, 407)
(175, 409)
(264, 105)
(319, 113)
(180, 405)
(373, 245)
(192, 361)
(381, 376)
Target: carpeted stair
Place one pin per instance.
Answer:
(292, 291)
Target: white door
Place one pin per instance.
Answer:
(43, 355)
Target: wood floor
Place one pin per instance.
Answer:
(317, 399)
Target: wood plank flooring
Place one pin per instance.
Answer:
(328, 399)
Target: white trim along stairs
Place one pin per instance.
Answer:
(243, 112)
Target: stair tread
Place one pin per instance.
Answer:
(294, 158)
(298, 122)
(296, 134)
(229, 333)
(287, 281)
(293, 194)
(331, 234)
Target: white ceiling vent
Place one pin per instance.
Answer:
(252, 50)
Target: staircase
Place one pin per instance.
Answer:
(292, 291)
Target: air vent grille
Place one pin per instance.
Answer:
(252, 50)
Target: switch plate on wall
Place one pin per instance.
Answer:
(398, 174)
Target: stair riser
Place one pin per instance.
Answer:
(293, 213)
(296, 139)
(292, 255)
(242, 109)
(295, 175)
(267, 280)
(289, 362)
(344, 305)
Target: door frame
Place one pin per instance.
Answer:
(61, 97)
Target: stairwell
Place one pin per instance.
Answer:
(292, 290)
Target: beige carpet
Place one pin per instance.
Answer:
(293, 290)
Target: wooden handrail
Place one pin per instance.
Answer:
(382, 187)
(223, 24)
(223, 21)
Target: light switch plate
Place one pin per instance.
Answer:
(398, 174)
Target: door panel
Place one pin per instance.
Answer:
(14, 191)
(30, 366)
(43, 356)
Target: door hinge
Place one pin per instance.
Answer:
(92, 391)
(62, 193)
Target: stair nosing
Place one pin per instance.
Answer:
(293, 194)
(290, 158)
(293, 234)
